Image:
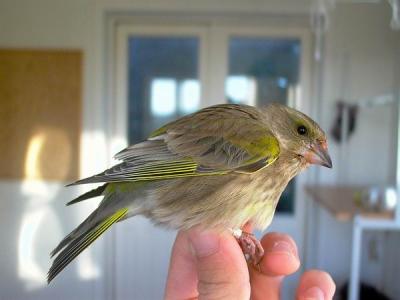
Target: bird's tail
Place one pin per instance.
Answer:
(88, 195)
(80, 238)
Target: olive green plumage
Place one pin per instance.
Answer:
(222, 166)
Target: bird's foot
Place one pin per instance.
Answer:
(251, 246)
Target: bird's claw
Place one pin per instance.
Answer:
(251, 247)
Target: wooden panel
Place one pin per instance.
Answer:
(40, 114)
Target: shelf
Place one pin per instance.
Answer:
(343, 202)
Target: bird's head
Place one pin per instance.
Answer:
(299, 134)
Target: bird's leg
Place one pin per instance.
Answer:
(251, 246)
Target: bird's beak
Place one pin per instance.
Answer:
(318, 154)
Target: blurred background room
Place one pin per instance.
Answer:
(82, 79)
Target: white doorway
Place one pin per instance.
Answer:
(165, 71)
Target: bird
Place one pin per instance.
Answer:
(224, 166)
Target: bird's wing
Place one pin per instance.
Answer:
(214, 141)
(225, 137)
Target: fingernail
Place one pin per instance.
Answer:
(314, 293)
(283, 247)
(204, 243)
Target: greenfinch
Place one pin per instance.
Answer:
(224, 166)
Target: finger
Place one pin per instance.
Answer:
(315, 285)
(182, 276)
(221, 268)
(280, 259)
(281, 256)
(210, 264)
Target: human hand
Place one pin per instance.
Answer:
(211, 265)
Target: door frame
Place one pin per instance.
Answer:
(213, 68)
(100, 82)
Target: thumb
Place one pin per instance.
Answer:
(221, 268)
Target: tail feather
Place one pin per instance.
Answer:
(91, 179)
(75, 245)
(91, 194)
(91, 222)
(62, 244)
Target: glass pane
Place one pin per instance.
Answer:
(163, 82)
(263, 70)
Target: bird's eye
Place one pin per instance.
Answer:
(302, 130)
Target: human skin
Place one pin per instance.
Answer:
(210, 265)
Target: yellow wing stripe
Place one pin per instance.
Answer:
(174, 175)
(165, 167)
(163, 170)
(87, 240)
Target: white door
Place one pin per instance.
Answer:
(164, 72)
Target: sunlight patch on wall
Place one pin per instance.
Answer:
(87, 268)
(30, 245)
(94, 152)
(49, 152)
(27, 266)
(32, 168)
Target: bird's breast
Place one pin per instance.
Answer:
(269, 185)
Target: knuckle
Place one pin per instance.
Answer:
(223, 289)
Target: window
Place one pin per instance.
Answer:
(164, 82)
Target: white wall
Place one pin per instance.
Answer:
(44, 23)
(361, 63)
(33, 215)
(361, 58)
